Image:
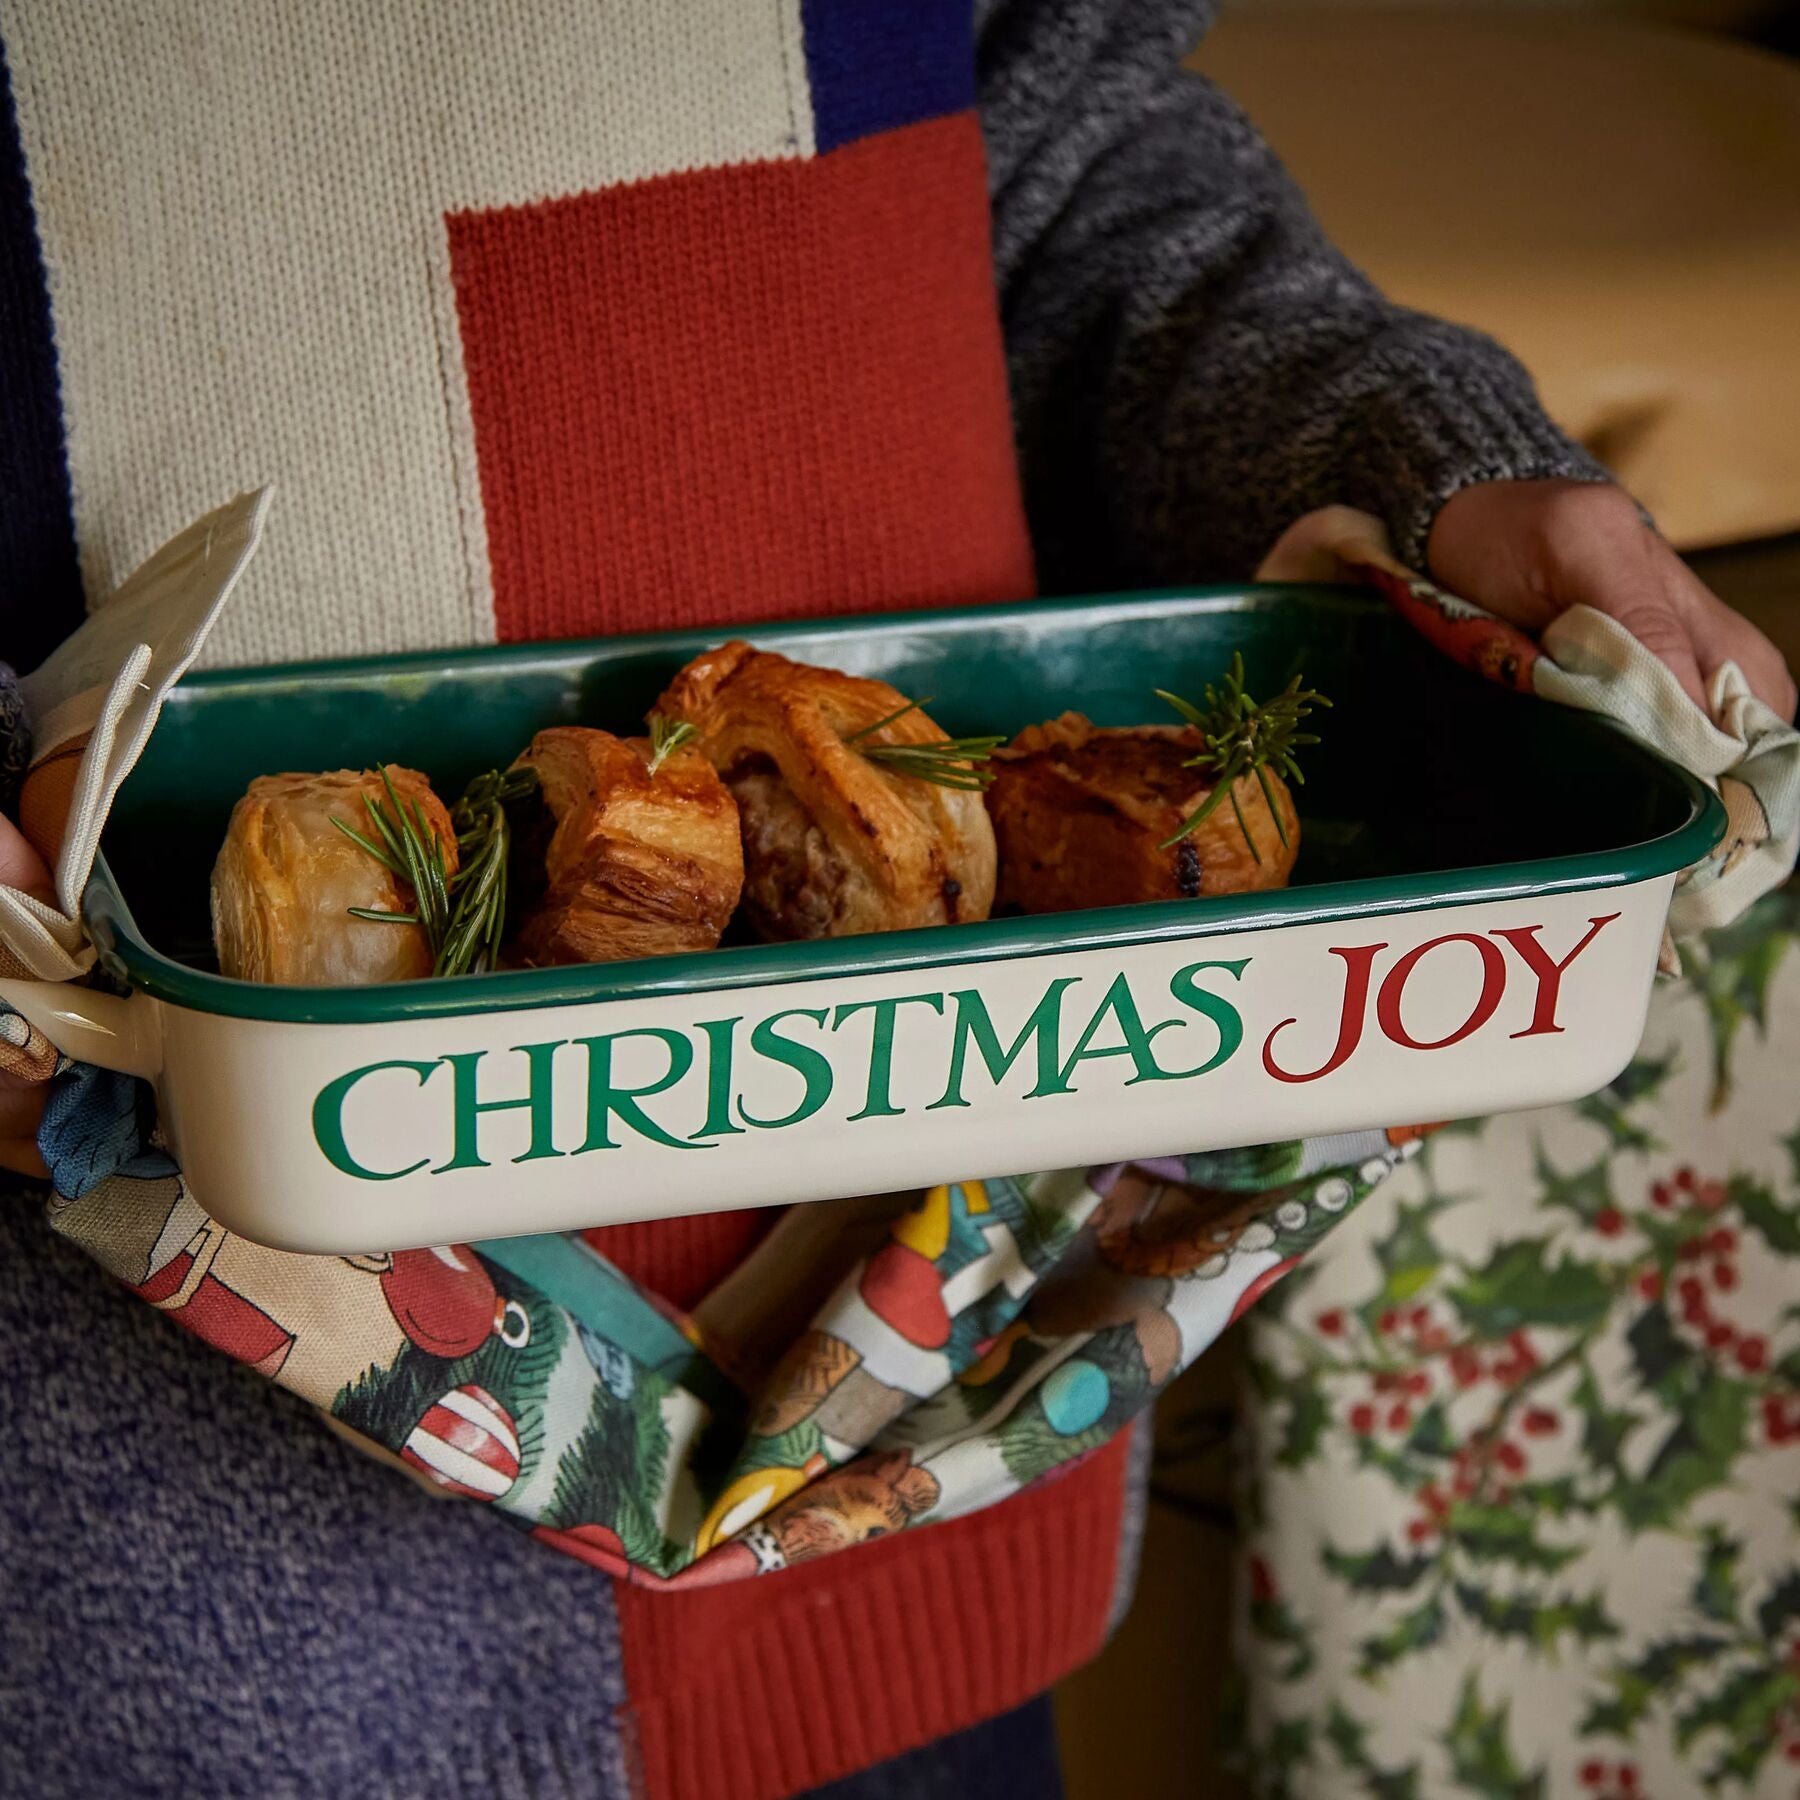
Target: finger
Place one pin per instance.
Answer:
(19, 1156)
(1722, 635)
(21, 866)
(21, 1107)
(1641, 600)
(1594, 550)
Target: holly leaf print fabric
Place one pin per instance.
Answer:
(1525, 1449)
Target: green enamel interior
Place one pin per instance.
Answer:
(1432, 787)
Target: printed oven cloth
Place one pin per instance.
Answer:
(1523, 1483)
(874, 1365)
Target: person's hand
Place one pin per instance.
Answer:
(21, 1102)
(1528, 550)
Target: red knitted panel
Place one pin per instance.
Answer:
(683, 1259)
(744, 393)
(762, 1688)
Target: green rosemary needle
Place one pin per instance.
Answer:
(463, 915)
(666, 737)
(1241, 736)
(959, 763)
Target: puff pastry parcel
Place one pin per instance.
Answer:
(834, 844)
(1082, 813)
(286, 878)
(622, 863)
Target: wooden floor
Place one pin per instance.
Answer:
(1142, 1722)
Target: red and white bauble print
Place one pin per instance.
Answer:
(467, 1443)
(444, 1300)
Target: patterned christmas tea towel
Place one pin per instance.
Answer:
(88, 712)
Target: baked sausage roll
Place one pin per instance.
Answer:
(286, 878)
(614, 862)
(834, 843)
(1083, 814)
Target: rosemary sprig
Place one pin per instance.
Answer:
(959, 763)
(464, 915)
(407, 847)
(666, 737)
(1241, 736)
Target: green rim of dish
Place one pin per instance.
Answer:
(125, 954)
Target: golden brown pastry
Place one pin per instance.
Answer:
(635, 864)
(286, 878)
(1082, 813)
(834, 843)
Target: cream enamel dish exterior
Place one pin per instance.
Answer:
(343, 1121)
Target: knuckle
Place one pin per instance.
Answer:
(1655, 626)
(1594, 509)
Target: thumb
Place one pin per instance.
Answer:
(1655, 619)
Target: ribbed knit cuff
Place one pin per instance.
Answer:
(1455, 420)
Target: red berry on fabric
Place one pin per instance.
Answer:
(1418, 1382)
(1362, 1418)
(1399, 1417)
(1331, 1323)
(1691, 1291)
(1693, 1249)
(1723, 1241)
(1465, 1367)
(1539, 1423)
(1609, 1221)
(1650, 1284)
(1511, 1458)
(1262, 1580)
(1420, 1529)
(1661, 1196)
(1792, 1752)
(1389, 1321)
(1753, 1354)
(1719, 1336)
(1463, 1486)
(1772, 1413)
(1434, 1337)
(1711, 1196)
(1684, 1179)
(1421, 1315)
(1592, 1774)
(1627, 1776)
(1725, 1276)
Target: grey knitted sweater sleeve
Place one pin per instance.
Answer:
(1193, 364)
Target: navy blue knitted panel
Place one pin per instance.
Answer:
(206, 1595)
(40, 582)
(873, 65)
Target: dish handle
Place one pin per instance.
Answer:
(122, 1035)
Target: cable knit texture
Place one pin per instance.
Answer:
(1193, 365)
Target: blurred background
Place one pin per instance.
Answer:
(1612, 189)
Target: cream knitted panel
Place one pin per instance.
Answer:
(241, 208)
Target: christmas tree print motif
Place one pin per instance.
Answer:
(613, 1474)
(511, 1372)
